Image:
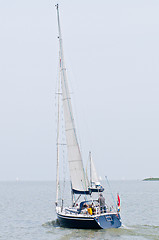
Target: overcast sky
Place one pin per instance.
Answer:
(112, 58)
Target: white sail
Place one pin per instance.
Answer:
(77, 173)
(94, 176)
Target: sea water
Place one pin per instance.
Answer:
(27, 212)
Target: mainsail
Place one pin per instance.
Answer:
(77, 173)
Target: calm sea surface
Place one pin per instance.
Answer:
(27, 212)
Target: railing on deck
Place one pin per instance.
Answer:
(96, 210)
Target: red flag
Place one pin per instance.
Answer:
(118, 200)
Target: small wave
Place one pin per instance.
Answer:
(151, 226)
(146, 231)
(126, 227)
(53, 223)
(150, 232)
(139, 227)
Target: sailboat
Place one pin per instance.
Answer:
(85, 210)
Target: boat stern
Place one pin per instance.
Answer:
(109, 221)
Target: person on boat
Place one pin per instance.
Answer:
(101, 201)
(93, 209)
(89, 209)
(85, 205)
(84, 209)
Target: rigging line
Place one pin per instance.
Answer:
(64, 173)
(63, 150)
(57, 141)
(62, 144)
(110, 189)
(77, 199)
(84, 191)
(55, 96)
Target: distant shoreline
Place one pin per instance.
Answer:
(151, 179)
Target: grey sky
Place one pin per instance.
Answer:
(112, 57)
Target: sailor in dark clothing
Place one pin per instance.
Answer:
(101, 201)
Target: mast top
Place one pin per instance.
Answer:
(58, 20)
(57, 5)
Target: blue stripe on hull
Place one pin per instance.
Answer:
(89, 223)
